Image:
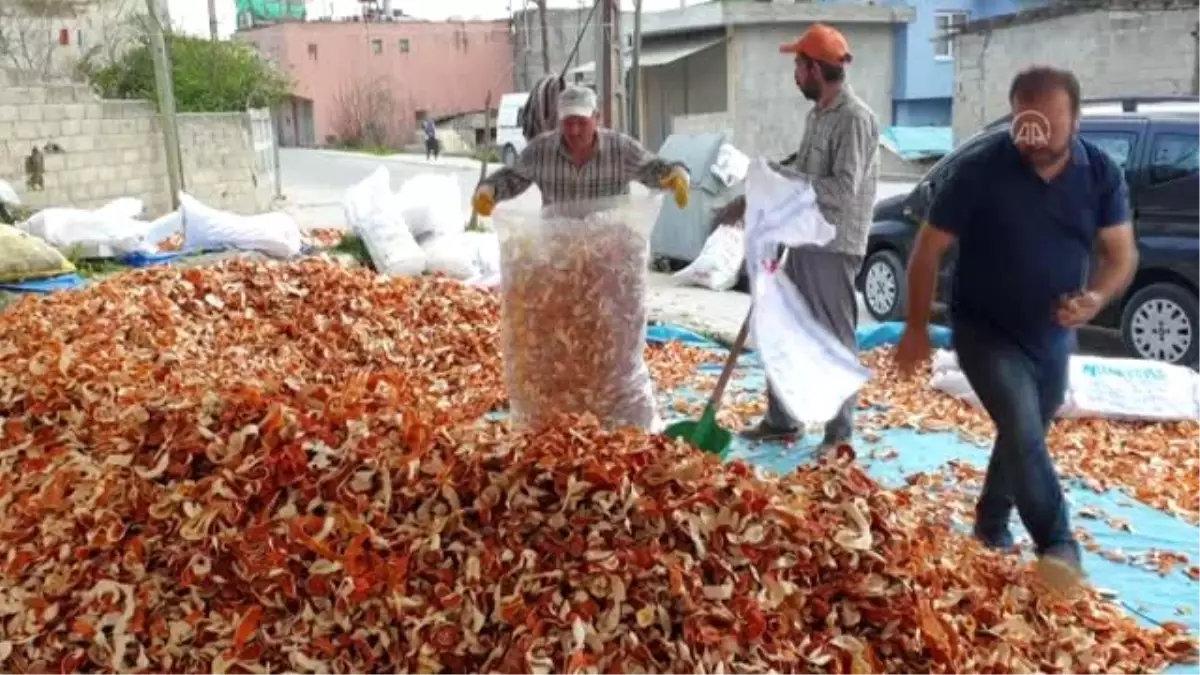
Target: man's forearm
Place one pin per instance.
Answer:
(922, 283)
(506, 183)
(653, 172)
(1114, 274)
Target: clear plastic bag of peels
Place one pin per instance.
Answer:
(573, 317)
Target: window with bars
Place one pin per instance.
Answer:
(946, 25)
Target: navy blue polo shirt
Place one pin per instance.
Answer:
(1024, 242)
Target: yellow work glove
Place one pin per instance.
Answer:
(679, 183)
(484, 201)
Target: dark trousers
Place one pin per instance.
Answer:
(432, 148)
(1021, 396)
(826, 281)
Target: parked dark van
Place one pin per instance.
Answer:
(1157, 142)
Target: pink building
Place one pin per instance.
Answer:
(371, 82)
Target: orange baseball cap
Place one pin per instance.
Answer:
(821, 43)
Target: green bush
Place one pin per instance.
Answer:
(489, 155)
(208, 76)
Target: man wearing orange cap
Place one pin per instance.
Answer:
(839, 156)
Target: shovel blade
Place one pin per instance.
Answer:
(704, 434)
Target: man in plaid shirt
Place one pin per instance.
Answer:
(839, 156)
(579, 162)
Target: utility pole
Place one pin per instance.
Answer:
(545, 31)
(601, 60)
(166, 101)
(212, 20)
(619, 87)
(608, 74)
(635, 74)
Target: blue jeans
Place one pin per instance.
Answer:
(1021, 396)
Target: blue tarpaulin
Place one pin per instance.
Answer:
(139, 259)
(915, 143)
(59, 283)
(1146, 595)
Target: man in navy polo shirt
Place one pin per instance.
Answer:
(1027, 211)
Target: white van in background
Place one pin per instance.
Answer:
(509, 137)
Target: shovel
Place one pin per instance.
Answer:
(705, 434)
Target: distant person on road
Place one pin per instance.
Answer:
(433, 148)
(839, 156)
(1026, 212)
(580, 162)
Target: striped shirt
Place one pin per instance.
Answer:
(546, 163)
(839, 154)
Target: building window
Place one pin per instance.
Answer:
(79, 38)
(947, 24)
(64, 37)
(312, 51)
(376, 46)
(402, 43)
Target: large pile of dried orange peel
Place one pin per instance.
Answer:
(266, 467)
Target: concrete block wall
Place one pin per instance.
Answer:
(112, 149)
(768, 108)
(712, 123)
(1114, 53)
(563, 28)
(218, 162)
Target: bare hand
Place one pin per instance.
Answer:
(1078, 309)
(913, 350)
(731, 213)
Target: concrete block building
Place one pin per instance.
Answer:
(717, 67)
(1117, 48)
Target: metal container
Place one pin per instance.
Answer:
(679, 234)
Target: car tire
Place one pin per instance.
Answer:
(883, 286)
(1160, 322)
(508, 155)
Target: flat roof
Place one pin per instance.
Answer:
(711, 15)
(1056, 10)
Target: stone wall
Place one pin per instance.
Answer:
(1131, 51)
(98, 150)
(710, 123)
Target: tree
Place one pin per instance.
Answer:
(29, 32)
(207, 76)
(541, 10)
(366, 114)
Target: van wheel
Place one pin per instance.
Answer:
(883, 284)
(509, 155)
(1160, 322)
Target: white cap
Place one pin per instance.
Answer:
(576, 101)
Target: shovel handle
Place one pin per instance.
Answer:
(730, 362)
(473, 223)
(735, 351)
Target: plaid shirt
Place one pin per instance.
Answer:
(839, 154)
(545, 162)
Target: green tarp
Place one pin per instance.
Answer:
(272, 10)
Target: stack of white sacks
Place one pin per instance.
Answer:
(421, 228)
(117, 230)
